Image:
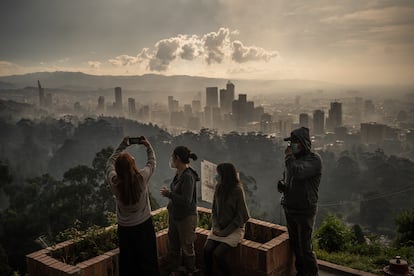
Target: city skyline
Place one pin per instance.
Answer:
(340, 42)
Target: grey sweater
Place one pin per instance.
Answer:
(231, 213)
(130, 215)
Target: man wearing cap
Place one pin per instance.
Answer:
(300, 196)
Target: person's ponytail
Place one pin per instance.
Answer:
(193, 156)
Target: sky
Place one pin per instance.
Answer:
(347, 42)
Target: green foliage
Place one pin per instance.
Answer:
(369, 256)
(95, 240)
(204, 220)
(333, 235)
(87, 244)
(405, 227)
(358, 235)
(160, 220)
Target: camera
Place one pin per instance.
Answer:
(136, 140)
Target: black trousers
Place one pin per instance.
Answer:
(300, 228)
(138, 250)
(216, 251)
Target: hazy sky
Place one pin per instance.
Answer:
(344, 41)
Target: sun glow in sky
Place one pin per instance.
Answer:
(355, 42)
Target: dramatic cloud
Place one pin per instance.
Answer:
(242, 53)
(188, 52)
(94, 64)
(212, 47)
(215, 44)
(166, 52)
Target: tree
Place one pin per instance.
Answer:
(405, 227)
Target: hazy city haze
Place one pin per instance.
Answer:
(347, 42)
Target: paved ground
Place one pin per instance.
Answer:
(324, 273)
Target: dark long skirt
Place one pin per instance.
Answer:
(138, 249)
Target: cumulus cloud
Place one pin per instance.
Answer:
(123, 60)
(212, 47)
(166, 52)
(215, 44)
(94, 64)
(243, 53)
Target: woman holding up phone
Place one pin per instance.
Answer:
(136, 234)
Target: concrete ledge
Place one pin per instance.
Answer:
(341, 270)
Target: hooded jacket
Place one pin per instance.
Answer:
(183, 195)
(302, 176)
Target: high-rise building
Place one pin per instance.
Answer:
(303, 120)
(241, 110)
(118, 99)
(335, 116)
(177, 119)
(369, 111)
(196, 106)
(101, 104)
(226, 98)
(266, 123)
(230, 89)
(258, 112)
(249, 111)
(144, 113)
(188, 112)
(372, 133)
(208, 117)
(285, 126)
(318, 122)
(216, 117)
(212, 96)
(170, 103)
(41, 94)
(131, 107)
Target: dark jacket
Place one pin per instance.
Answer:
(183, 195)
(302, 176)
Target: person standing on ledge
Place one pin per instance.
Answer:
(136, 234)
(300, 197)
(182, 212)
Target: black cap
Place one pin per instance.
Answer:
(287, 139)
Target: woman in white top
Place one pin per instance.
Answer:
(136, 234)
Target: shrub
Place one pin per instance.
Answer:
(333, 235)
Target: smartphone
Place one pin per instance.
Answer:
(135, 140)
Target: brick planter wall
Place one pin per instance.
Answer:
(264, 251)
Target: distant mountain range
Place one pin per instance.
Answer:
(153, 82)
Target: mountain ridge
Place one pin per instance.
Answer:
(156, 82)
